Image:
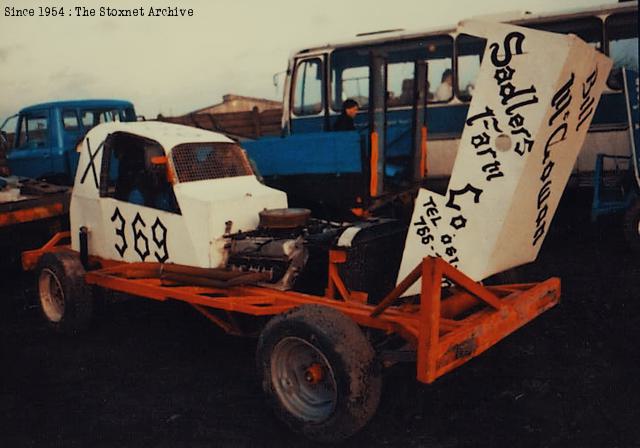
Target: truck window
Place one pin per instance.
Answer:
(307, 97)
(204, 161)
(94, 117)
(70, 120)
(107, 116)
(34, 131)
(131, 175)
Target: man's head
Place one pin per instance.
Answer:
(350, 108)
(447, 76)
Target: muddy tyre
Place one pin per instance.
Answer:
(65, 300)
(319, 372)
(632, 226)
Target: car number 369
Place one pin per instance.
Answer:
(146, 239)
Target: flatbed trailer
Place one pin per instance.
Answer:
(441, 328)
(30, 218)
(37, 200)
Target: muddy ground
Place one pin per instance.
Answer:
(150, 374)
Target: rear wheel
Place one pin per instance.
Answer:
(632, 226)
(64, 298)
(319, 372)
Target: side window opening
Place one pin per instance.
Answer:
(129, 173)
(94, 117)
(469, 50)
(440, 76)
(350, 71)
(34, 131)
(70, 120)
(354, 84)
(400, 83)
(588, 29)
(307, 97)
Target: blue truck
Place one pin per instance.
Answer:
(40, 152)
(42, 144)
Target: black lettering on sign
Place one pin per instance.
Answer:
(138, 235)
(504, 74)
(516, 38)
(533, 100)
(458, 222)
(561, 100)
(588, 102)
(159, 233)
(122, 248)
(451, 203)
(508, 92)
(480, 140)
(488, 113)
(554, 140)
(493, 170)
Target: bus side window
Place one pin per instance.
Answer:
(622, 40)
(469, 50)
(354, 82)
(400, 83)
(588, 29)
(307, 97)
(440, 69)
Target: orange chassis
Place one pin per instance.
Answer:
(445, 330)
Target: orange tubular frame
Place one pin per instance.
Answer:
(445, 332)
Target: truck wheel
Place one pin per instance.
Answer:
(319, 372)
(65, 299)
(632, 226)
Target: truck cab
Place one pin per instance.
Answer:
(45, 135)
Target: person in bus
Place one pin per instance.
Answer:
(345, 119)
(444, 92)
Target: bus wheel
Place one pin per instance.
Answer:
(319, 372)
(65, 299)
(632, 226)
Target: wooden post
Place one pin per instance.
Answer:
(255, 115)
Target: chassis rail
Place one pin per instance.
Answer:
(445, 328)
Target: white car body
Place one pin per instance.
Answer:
(124, 231)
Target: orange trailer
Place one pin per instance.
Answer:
(318, 365)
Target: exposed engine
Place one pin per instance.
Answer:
(293, 248)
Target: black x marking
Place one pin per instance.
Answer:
(91, 166)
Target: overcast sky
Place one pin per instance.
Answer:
(175, 65)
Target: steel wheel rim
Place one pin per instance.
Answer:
(303, 380)
(51, 295)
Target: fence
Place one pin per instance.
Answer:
(250, 124)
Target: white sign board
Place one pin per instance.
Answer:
(534, 99)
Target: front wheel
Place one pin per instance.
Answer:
(319, 372)
(632, 226)
(64, 298)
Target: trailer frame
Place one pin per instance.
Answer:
(445, 328)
